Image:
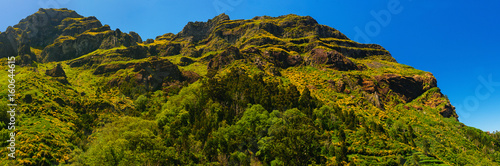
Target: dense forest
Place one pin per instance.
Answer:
(264, 91)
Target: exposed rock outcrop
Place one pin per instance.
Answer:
(47, 24)
(57, 71)
(196, 31)
(68, 47)
(43, 28)
(407, 88)
(332, 59)
(76, 26)
(151, 73)
(448, 111)
(9, 43)
(58, 74)
(135, 36)
(134, 52)
(184, 61)
(226, 57)
(117, 39)
(278, 57)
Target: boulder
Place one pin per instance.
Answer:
(294, 60)
(56, 72)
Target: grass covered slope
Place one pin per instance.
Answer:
(264, 91)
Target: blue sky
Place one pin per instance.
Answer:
(458, 41)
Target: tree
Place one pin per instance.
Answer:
(294, 140)
(292, 96)
(307, 103)
(427, 146)
(141, 103)
(325, 118)
(341, 154)
(127, 141)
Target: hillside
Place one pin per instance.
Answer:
(265, 91)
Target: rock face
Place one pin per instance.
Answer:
(43, 28)
(117, 39)
(132, 52)
(196, 31)
(47, 24)
(8, 43)
(407, 88)
(448, 111)
(135, 36)
(76, 26)
(306, 71)
(151, 73)
(68, 47)
(56, 71)
(226, 57)
(381, 89)
(332, 59)
(306, 24)
(24, 51)
(272, 44)
(63, 34)
(281, 58)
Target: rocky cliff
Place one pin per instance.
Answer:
(263, 91)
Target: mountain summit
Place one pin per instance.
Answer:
(264, 91)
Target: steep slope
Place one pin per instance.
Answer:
(264, 91)
(58, 34)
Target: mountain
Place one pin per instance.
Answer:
(265, 91)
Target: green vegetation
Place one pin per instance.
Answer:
(129, 103)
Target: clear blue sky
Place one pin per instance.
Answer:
(458, 41)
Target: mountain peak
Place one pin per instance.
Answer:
(43, 28)
(45, 17)
(219, 18)
(198, 30)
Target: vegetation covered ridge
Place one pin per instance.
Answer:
(263, 91)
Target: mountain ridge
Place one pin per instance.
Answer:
(225, 92)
